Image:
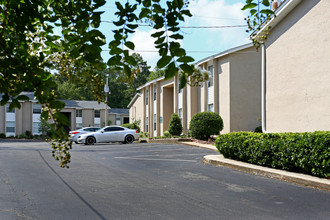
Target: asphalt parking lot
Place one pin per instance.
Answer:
(142, 181)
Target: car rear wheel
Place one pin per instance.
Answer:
(129, 139)
(90, 140)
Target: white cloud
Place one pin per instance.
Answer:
(219, 13)
(144, 45)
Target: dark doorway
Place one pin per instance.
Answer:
(126, 120)
(68, 116)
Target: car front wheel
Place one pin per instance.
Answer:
(90, 141)
(129, 139)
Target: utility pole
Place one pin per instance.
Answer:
(106, 90)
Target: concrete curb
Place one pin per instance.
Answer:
(301, 179)
(193, 144)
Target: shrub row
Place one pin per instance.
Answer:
(132, 126)
(298, 152)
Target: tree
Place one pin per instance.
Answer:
(30, 46)
(259, 15)
(156, 73)
(175, 126)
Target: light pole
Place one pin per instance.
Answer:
(106, 90)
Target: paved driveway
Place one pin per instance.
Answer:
(143, 181)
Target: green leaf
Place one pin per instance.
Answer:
(23, 98)
(128, 71)
(179, 52)
(171, 70)
(253, 11)
(130, 45)
(131, 60)
(44, 115)
(186, 59)
(249, 5)
(115, 60)
(267, 12)
(265, 2)
(162, 62)
(183, 81)
(158, 34)
(189, 69)
(132, 26)
(176, 36)
(56, 104)
(160, 40)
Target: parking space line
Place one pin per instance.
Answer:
(140, 158)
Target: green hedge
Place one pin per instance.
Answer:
(132, 126)
(205, 124)
(298, 152)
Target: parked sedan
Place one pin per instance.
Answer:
(75, 134)
(110, 134)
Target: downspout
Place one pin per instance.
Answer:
(263, 88)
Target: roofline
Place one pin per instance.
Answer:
(279, 14)
(150, 82)
(133, 100)
(226, 52)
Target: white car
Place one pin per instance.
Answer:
(110, 134)
(75, 134)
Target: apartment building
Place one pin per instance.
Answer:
(233, 90)
(79, 113)
(296, 68)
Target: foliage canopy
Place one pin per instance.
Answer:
(30, 49)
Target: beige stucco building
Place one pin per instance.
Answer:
(79, 113)
(296, 70)
(233, 90)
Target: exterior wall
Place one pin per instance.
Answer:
(223, 69)
(2, 119)
(19, 119)
(192, 103)
(88, 117)
(27, 108)
(167, 103)
(298, 70)
(136, 111)
(112, 117)
(245, 90)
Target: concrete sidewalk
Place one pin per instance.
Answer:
(297, 178)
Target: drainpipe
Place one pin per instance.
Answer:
(263, 88)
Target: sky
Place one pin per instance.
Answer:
(199, 42)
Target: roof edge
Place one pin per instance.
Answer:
(284, 9)
(133, 100)
(226, 52)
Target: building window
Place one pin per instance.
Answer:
(79, 113)
(97, 113)
(147, 97)
(36, 109)
(126, 120)
(180, 113)
(10, 126)
(35, 127)
(155, 122)
(79, 125)
(147, 123)
(160, 119)
(155, 92)
(118, 120)
(210, 108)
(210, 82)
